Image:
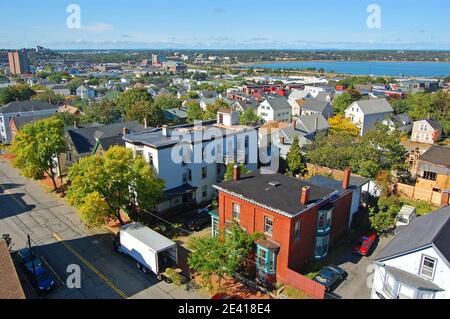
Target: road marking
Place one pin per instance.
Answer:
(95, 270)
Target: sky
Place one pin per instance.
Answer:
(226, 24)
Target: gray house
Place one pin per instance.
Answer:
(315, 106)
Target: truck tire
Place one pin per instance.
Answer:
(139, 266)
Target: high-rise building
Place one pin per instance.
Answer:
(18, 62)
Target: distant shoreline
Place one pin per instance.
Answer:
(335, 61)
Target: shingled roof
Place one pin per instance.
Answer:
(10, 287)
(26, 106)
(438, 155)
(432, 230)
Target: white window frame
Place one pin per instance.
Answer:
(422, 265)
(237, 212)
(268, 226)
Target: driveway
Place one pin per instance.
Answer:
(61, 239)
(358, 282)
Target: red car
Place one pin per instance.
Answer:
(364, 245)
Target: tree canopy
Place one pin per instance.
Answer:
(296, 162)
(103, 186)
(194, 111)
(126, 100)
(341, 124)
(343, 101)
(145, 110)
(249, 117)
(35, 147)
(18, 92)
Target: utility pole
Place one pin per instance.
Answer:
(31, 257)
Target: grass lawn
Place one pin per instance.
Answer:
(293, 293)
(422, 207)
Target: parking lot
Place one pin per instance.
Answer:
(359, 270)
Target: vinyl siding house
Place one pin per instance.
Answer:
(189, 178)
(416, 263)
(22, 109)
(275, 109)
(366, 113)
(427, 131)
(401, 122)
(86, 92)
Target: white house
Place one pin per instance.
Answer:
(188, 176)
(366, 113)
(427, 131)
(298, 95)
(22, 109)
(315, 90)
(275, 109)
(416, 263)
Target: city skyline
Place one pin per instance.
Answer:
(218, 24)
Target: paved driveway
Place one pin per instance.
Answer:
(356, 285)
(61, 239)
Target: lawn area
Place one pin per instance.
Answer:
(422, 207)
(293, 293)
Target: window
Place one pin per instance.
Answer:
(215, 227)
(150, 159)
(205, 172)
(139, 153)
(428, 266)
(266, 260)
(322, 246)
(430, 176)
(205, 192)
(426, 295)
(297, 230)
(268, 226)
(237, 212)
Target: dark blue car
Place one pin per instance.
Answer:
(40, 277)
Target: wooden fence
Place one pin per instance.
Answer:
(310, 287)
(416, 193)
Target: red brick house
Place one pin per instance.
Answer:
(301, 221)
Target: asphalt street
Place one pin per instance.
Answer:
(62, 240)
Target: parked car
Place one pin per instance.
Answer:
(330, 276)
(39, 276)
(365, 244)
(199, 221)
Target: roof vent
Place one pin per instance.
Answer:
(274, 184)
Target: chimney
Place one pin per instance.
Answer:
(165, 130)
(445, 198)
(305, 195)
(317, 124)
(236, 173)
(125, 131)
(346, 180)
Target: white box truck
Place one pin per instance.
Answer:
(152, 251)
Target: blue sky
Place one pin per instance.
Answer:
(226, 24)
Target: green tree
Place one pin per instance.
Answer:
(146, 110)
(104, 112)
(49, 96)
(383, 215)
(127, 100)
(230, 169)
(18, 92)
(296, 162)
(194, 111)
(249, 117)
(214, 256)
(343, 101)
(103, 186)
(166, 101)
(35, 147)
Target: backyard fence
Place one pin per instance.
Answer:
(416, 193)
(310, 287)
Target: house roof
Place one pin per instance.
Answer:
(432, 230)
(278, 103)
(439, 155)
(85, 139)
(307, 123)
(401, 119)
(299, 94)
(20, 121)
(9, 281)
(316, 105)
(180, 113)
(283, 199)
(324, 181)
(375, 106)
(26, 106)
